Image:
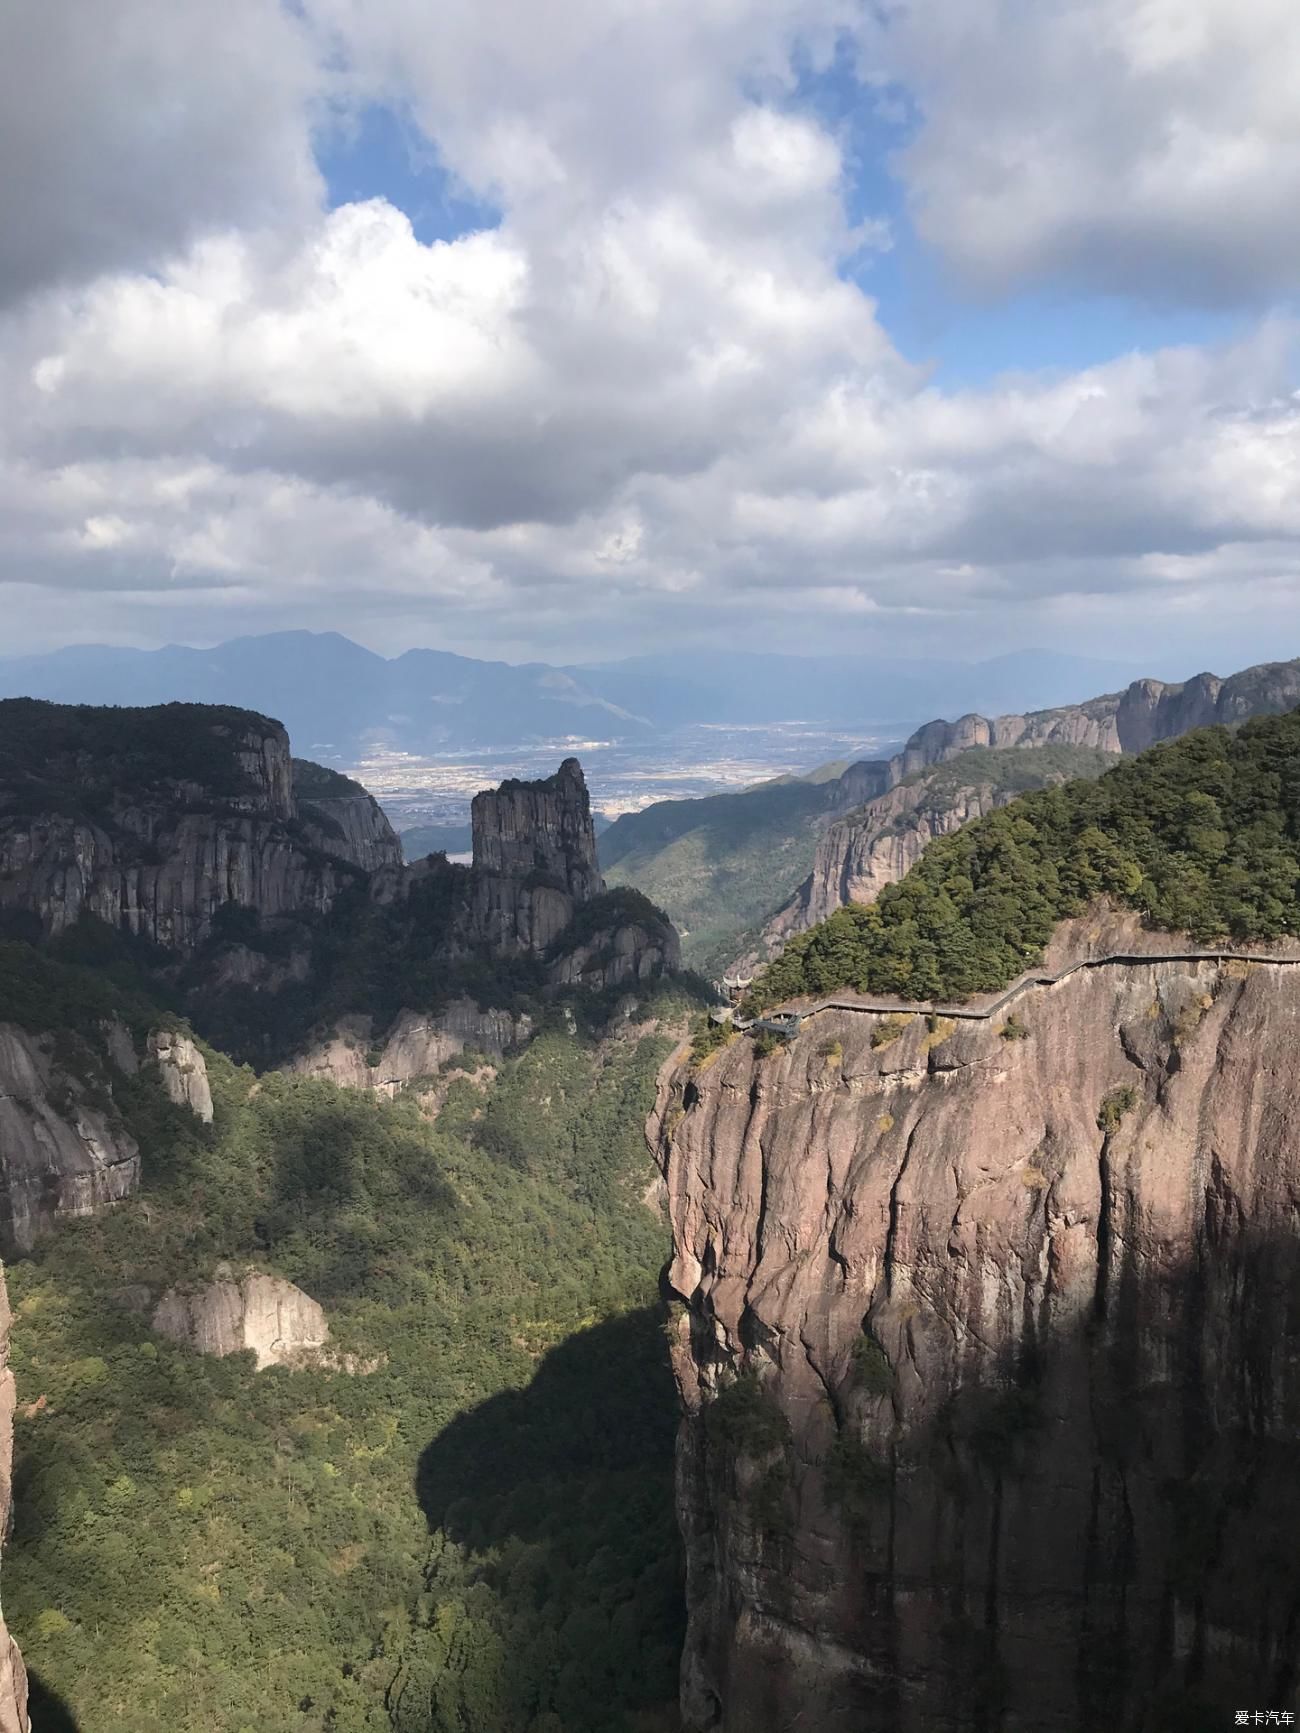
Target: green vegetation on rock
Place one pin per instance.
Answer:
(1010, 769)
(477, 1535)
(720, 864)
(313, 781)
(75, 759)
(1201, 835)
(723, 864)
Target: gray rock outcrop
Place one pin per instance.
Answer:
(1017, 1314)
(183, 1070)
(526, 828)
(624, 954)
(534, 861)
(858, 856)
(415, 1048)
(282, 1325)
(63, 1151)
(158, 853)
(13, 1675)
(341, 818)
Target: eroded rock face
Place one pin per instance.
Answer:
(162, 856)
(353, 827)
(858, 856)
(621, 956)
(543, 828)
(1029, 1303)
(282, 1325)
(534, 861)
(535, 868)
(62, 1150)
(184, 1071)
(13, 1675)
(416, 1047)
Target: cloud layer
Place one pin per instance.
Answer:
(650, 399)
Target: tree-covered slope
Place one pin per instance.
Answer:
(1200, 835)
(1005, 770)
(718, 864)
(478, 1534)
(75, 758)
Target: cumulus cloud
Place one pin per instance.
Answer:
(649, 392)
(1146, 147)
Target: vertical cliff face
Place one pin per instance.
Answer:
(153, 820)
(1015, 1317)
(859, 856)
(281, 1324)
(542, 827)
(534, 860)
(62, 1151)
(354, 828)
(342, 819)
(13, 1675)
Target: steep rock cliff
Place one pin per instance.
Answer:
(13, 1675)
(622, 953)
(534, 860)
(183, 1070)
(417, 1046)
(544, 827)
(63, 1151)
(536, 889)
(1018, 1308)
(858, 856)
(1146, 712)
(153, 820)
(342, 819)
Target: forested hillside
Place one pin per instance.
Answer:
(477, 1533)
(1201, 835)
(719, 864)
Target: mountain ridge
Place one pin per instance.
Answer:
(340, 700)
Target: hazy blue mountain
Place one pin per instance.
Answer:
(338, 699)
(335, 697)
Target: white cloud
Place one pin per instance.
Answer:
(644, 402)
(1147, 147)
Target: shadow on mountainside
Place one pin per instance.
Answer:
(1095, 1529)
(49, 1713)
(555, 1535)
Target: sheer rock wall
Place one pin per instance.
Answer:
(161, 858)
(63, 1148)
(1029, 1304)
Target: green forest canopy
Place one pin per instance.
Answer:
(475, 1537)
(72, 758)
(1200, 835)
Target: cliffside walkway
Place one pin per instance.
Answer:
(787, 1019)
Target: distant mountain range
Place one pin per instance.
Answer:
(340, 701)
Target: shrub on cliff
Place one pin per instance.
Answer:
(744, 1418)
(1201, 835)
